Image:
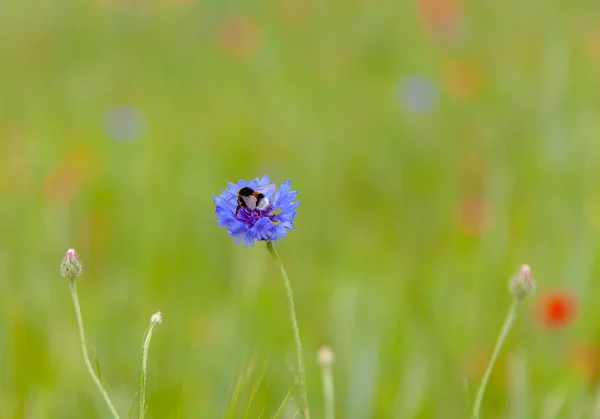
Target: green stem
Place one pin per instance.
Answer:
(510, 319)
(290, 297)
(328, 392)
(145, 348)
(86, 358)
(467, 396)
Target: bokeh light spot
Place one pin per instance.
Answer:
(440, 16)
(474, 215)
(239, 36)
(462, 79)
(124, 123)
(593, 49)
(584, 358)
(418, 94)
(66, 179)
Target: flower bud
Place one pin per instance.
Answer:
(70, 266)
(325, 356)
(156, 318)
(522, 284)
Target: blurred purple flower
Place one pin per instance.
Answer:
(124, 123)
(418, 94)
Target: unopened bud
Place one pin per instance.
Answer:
(70, 266)
(522, 284)
(156, 318)
(325, 356)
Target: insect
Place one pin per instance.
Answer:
(253, 199)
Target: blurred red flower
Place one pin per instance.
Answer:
(440, 16)
(556, 308)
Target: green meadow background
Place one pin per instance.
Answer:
(436, 145)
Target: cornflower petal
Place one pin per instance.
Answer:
(248, 226)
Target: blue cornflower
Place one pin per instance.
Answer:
(247, 225)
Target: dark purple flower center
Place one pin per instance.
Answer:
(251, 217)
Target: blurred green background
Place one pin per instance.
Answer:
(436, 145)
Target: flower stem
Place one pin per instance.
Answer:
(508, 322)
(86, 358)
(328, 391)
(145, 348)
(290, 297)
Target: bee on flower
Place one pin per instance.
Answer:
(256, 211)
